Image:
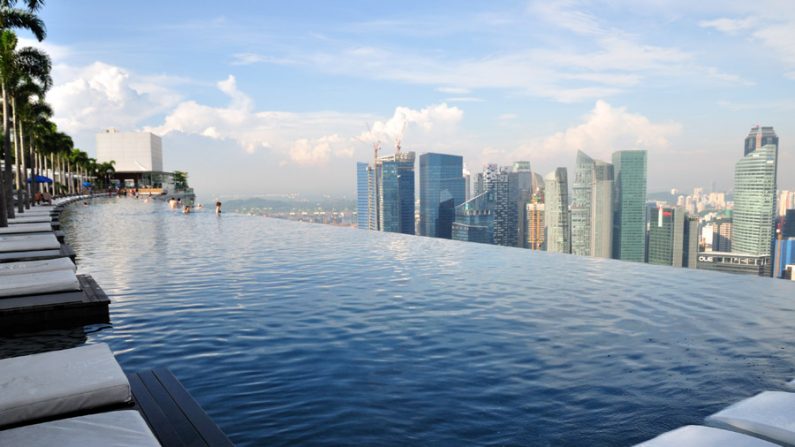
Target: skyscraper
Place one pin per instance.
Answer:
(474, 219)
(442, 188)
(362, 195)
(522, 193)
(666, 233)
(602, 210)
(556, 212)
(592, 208)
(754, 201)
(504, 185)
(760, 136)
(397, 192)
(581, 206)
(629, 223)
(535, 225)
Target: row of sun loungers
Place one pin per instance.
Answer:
(765, 420)
(39, 286)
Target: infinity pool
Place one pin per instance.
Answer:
(292, 333)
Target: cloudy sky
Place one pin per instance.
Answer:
(259, 97)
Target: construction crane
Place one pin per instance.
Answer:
(376, 145)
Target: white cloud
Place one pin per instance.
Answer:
(304, 138)
(100, 95)
(604, 130)
(507, 117)
(256, 58)
(727, 25)
(439, 119)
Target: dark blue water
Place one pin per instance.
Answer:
(292, 333)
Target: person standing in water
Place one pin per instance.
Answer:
(217, 206)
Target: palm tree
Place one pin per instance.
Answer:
(15, 18)
(25, 111)
(18, 66)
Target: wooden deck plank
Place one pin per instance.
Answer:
(177, 419)
(208, 429)
(152, 413)
(30, 255)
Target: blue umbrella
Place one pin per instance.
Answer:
(86, 184)
(41, 179)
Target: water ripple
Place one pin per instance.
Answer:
(307, 334)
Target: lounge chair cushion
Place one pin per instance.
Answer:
(30, 219)
(38, 283)
(114, 428)
(58, 382)
(698, 436)
(48, 265)
(29, 242)
(27, 228)
(769, 414)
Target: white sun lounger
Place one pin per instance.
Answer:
(59, 382)
(30, 219)
(38, 283)
(29, 242)
(769, 415)
(114, 428)
(698, 436)
(48, 265)
(41, 227)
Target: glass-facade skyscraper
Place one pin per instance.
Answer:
(556, 213)
(629, 224)
(666, 236)
(362, 195)
(474, 219)
(754, 202)
(397, 192)
(442, 188)
(592, 207)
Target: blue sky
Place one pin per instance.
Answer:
(276, 97)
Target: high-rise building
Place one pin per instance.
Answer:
(523, 191)
(467, 184)
(602, 210)
(754, 201)
(556, 216)
(362, 195)
(504, 185)
(535, 225)
(722, 235)
(474, 219)
(397, 192)
(442, 188)
(788, 229)
(592, 208)
(784, 256)
(673, 237)
(629, 225)
(690, 243)
(760, 136)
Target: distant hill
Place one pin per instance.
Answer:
(286, 204)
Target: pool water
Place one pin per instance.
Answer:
(291, 333)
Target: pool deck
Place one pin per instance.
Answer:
(168, 409)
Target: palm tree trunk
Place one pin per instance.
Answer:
(17, 158)
(8, 192)
(24, 157)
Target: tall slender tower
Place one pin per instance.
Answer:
(396, 181)
(629, 223)
(592, 208)
(557, 220)
(362, 195)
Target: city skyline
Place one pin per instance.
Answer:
(250, 106)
